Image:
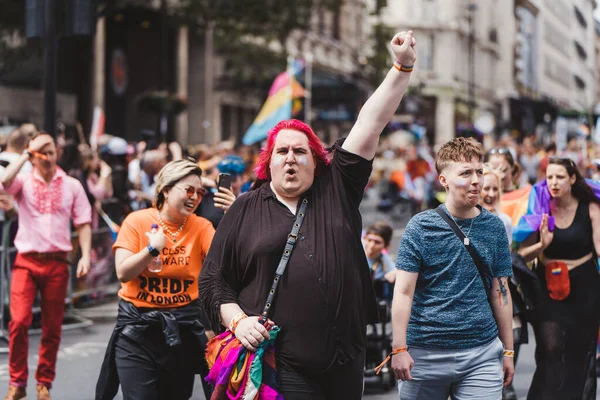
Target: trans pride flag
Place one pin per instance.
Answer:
(279, 104)
(537, 205)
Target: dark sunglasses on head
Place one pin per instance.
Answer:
(190, 191)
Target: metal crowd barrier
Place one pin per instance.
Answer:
(100, 283)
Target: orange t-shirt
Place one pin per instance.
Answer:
(177, 284)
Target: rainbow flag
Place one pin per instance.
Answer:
(279, 105)
(237, 373)
(537, 205)
(113, 226)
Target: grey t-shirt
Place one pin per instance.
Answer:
(450, 308)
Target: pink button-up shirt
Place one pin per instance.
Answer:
(45, 211)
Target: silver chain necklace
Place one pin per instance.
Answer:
(466, 241)
(168, 231)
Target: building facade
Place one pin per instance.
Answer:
(333, 46)
(519, 61)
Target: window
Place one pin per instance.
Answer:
(581, 51)
(336, 25)
(556, 71)
(493, 36)
(580, 17)
(560, 9)
(425, 52)
(321, 22)
(428, 11)
(579, 82)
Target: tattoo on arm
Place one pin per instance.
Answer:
(502, 293)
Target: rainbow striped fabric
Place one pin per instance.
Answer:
(538, 203)
(279, 104)
(237, 373)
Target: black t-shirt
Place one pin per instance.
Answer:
(325, 298)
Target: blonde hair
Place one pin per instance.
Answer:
(458, 150)
(170, 175)
(488, 170)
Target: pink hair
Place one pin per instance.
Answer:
(318, 151)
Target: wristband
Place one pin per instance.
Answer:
(237, 318)
(403, 68)
(509, 353)
(154, 252)
(402, 349)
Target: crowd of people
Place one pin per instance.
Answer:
(196, 257)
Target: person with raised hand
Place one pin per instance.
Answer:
(326, 297)
(48, 200)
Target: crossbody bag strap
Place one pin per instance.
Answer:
(482, 268)
(287, 252)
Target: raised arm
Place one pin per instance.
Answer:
(382, 105)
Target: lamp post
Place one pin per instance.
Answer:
(308, 71)
(471, 7)
(50, 68)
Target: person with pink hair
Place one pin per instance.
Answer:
(325, 298)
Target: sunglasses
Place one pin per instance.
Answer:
(499, 151)
(503, 151)
(190, 191)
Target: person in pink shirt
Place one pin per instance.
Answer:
(48, 199)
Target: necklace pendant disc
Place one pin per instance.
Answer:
(467, 241)
(174, 241)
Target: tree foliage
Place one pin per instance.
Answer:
(379, 61)
(241, 28)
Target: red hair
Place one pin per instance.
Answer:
(319, 152)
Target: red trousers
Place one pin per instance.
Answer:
(51, 278)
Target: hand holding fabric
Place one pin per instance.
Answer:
(250, 333)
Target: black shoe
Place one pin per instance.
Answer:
(508, 393)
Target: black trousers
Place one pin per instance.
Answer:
(152, 370)
(343, 382)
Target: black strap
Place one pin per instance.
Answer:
(484, 270)
(287, 252)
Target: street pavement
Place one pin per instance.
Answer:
(82, 350)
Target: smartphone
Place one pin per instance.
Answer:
(224, 181)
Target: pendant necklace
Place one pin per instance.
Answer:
(168, 231)
(466, 240)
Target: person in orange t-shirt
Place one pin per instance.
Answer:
(158, 344)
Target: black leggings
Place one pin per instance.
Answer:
(566, 335)
(152, 370)
(344, 382)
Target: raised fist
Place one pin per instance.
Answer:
(403, 46)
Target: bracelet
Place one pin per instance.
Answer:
(236, 320)
(509, 353)
(403, 68)
(402, 349)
